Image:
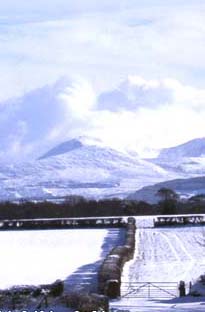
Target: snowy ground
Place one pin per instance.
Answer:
(166, 254)
(40, 257)
(162, 255)
(169, 254)
(177, 305)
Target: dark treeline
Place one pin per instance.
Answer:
(79, 207)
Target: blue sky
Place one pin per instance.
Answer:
(98, 45)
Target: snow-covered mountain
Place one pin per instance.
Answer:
(79, 166)
(187, 159)
(71, 145)
(193, 148)
(184, 187)
(85, 166)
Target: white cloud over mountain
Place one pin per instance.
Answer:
(156, 113)
(43, 117)
(138, 115)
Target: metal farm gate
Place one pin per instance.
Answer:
(155, 290)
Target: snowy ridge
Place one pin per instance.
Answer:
(184, 187)
(71, 145)
(86, 166)
(193, 148)
(78, 167)
(187, 159)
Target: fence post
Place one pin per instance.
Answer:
(112, 289)
(182, 290)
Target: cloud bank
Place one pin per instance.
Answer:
(138, 115)
(103, 42)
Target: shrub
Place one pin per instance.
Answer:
(87, 302)
(56, 289)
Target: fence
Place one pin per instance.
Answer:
(179, 220)
(56, 223)
(149, 290)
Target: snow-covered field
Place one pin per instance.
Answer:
(169, 254)
(39, 257)
(166, 254)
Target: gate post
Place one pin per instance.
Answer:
(182, 290)
(112, 289)
(148, 290)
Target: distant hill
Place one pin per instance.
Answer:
(184, 187)
(187, 159)
(193, 148)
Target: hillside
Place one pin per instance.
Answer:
(193, 148)
(184, 187)
(187, 159)
(78, 167)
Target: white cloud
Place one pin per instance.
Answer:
(79, 99)
(100, 41)
(136, 92)
(153, 114)
(43, 117)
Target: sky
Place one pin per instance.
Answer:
(71, 68)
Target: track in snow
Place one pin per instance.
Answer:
(169, 254)
(166, 254)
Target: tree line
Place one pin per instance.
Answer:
(77, 206)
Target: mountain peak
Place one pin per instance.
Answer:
(70, 145)
(192, 148)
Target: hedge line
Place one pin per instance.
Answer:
(109, 275)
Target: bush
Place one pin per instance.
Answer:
(36, 292)
(87, 302)
(56, 289)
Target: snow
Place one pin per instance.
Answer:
(41, 257)
(186, 163)
(193, 148)
(186, 304)
(176, 253)
(187, 159)
(73, 144)
(88, 170)
(63, 148)
(86, 166)
(184, 187)
(167, 254)
(185, 166)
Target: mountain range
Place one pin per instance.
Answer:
(85, 166)
(193, 148)
(187, 160)
(80, 166)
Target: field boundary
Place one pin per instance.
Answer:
(156, 290)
